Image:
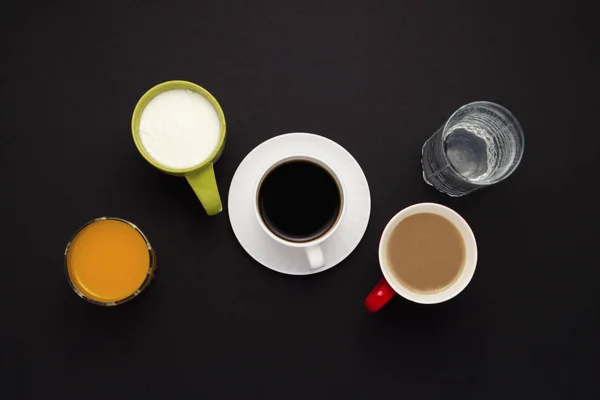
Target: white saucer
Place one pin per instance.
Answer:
(267, 251)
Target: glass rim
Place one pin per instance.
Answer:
(515, 123)
(143, 285)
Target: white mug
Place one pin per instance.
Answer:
(389, 285)
(312, 248)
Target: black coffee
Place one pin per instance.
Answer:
(299, 200)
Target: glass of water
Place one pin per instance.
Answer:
(479, 145)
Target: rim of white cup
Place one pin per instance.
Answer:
(323, 165)
(470, 254)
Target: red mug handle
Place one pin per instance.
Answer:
(379, 296)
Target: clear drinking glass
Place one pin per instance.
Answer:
(479, 145)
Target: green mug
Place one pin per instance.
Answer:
(201, 177)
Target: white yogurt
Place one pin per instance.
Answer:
(179, 128)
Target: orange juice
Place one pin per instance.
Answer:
(109, 261)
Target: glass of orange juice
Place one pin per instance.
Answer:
(109, 261)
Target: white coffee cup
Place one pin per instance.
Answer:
(389, 285)
(312, 248)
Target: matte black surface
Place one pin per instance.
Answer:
(378, 77)
(299, 201)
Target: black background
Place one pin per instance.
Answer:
(378, 77)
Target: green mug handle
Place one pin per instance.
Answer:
(204, 183)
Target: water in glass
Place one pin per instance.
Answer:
(480, 144)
